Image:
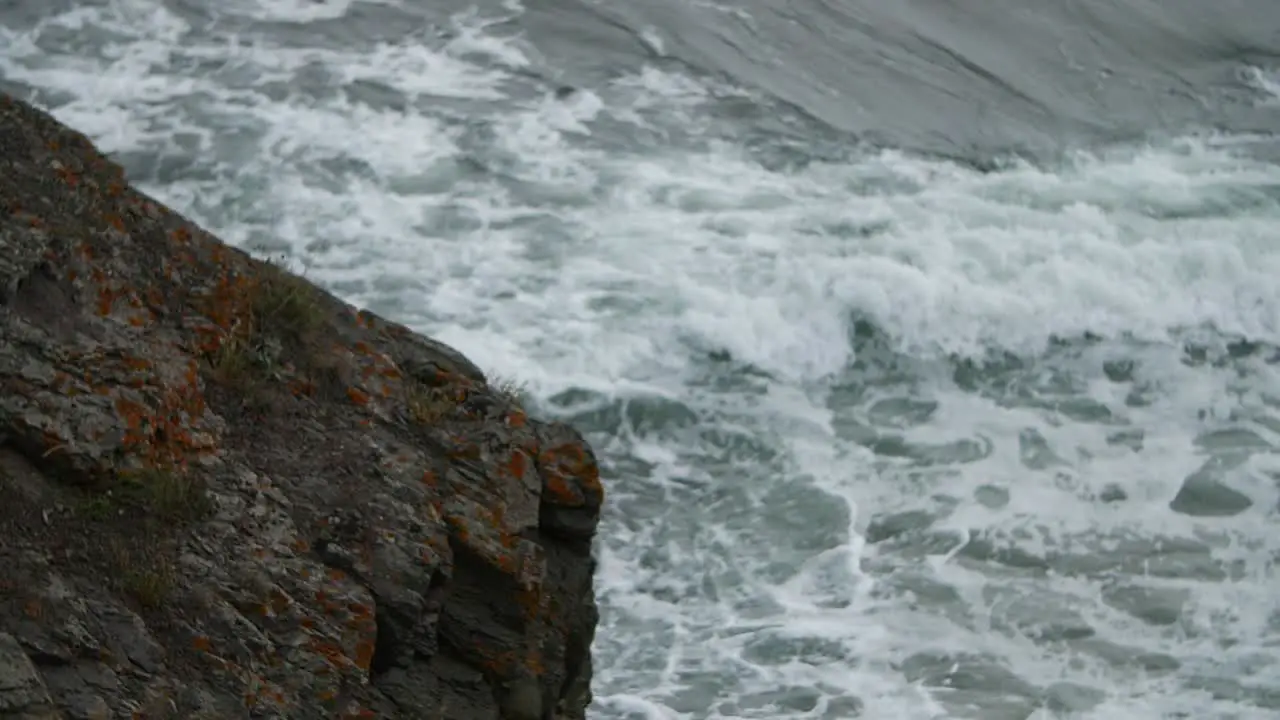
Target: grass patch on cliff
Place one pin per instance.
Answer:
(286, 305)
(281, 319)
(165, 494)
(97, 507)
(430, 405)
(149, 493)
(134, 525)
(147, 576)
(514, 392)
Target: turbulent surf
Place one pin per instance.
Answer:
(931, 350)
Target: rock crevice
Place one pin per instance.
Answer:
(226, 493)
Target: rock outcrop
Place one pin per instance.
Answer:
(225, 493)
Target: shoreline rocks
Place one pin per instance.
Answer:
(226, 493)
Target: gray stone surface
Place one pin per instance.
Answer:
(224, 493)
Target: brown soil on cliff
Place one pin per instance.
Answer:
(225, 493)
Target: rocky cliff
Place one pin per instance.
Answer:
(225, 493)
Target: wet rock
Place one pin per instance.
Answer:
(992, 497)
(965, 672)
(1123, 657)
(844, 708)
(1034, 450)
(1263, 695)
(1203, 495)
(1152, 605)
(1167, 556)
(224, 492)
(781, 700)
(1119, 371)
(983, 548)
(1132, 438)
(1112, 493)
(1065, 697)
(1236, 441)
(887, 527)
(1041, 617)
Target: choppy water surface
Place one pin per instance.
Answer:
(900, 425)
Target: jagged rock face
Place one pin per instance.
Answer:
(224, 493)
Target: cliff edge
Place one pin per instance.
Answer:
(225, 493)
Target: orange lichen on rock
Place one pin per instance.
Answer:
(518, 464)
(570, 476)
(358, 396)
(563, 491)
(228, 302)
(160, 425)
(364, 653)
(376, 377)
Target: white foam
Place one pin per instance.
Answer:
(292, 11)
(619, 273)
(1266, 80)
(473, 40)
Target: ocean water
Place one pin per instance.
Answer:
(931, 351)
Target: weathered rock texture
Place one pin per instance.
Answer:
(224, 493)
